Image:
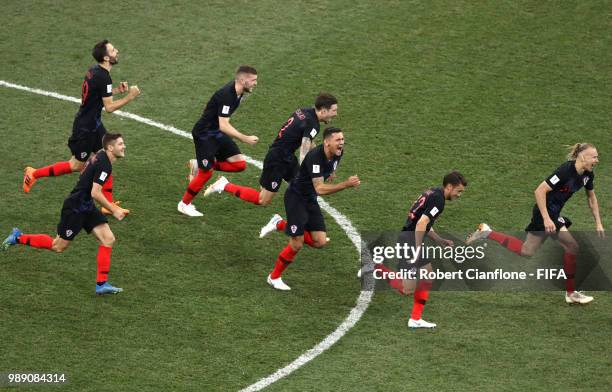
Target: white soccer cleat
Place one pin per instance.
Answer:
(192, 165)
(481, 233)
(188, 209)
(270, 226)
(577, 298)
(217, 186)
(278, 284)
(420, 323)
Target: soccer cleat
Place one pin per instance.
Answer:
(481, 233)
(278, 284)
(116, 203)
(188, 209)
(420, 323)
(218, 186)
(28, 179)
(577, 298)
(107, 288)
(12, 239)
(270, 226)
(192, 165)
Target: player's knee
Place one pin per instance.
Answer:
(527, 252)
(108, 240)
(572, 247)
(296, 244)
(58, 247)
(317, 243)
(264, 201)
(76, 165)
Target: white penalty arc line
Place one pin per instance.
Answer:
(363, 301)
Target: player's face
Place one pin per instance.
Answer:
(336, 143)
(589, 158)
(455, 191)
(112, 53)
(248, 82)
(118, 148)
(328, 114)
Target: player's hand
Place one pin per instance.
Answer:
(352, 181)
(549, 225)
(252, 140)
(118, 213)
(134, 91)
(445, 242)
(600, 231)
(123, 87)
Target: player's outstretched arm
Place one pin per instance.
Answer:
(436, 237)
(97, 195)
(327, 189)
(110, 105)
(594, 206)
(229, 130)
(540, 196)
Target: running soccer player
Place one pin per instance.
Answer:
(213, 133)
(422, 215)
(87, 129)
(305, 223)
(546, 221)
(280, 162)
(79, 212)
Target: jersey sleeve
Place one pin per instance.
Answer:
(102, 171)
(226, 104)
(433, 206)
(104, 84)
(559, 177)
(589, 184)
(309, 129)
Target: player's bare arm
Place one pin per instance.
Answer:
(97, 195)
(306, 146)
(111, 105)
(229, 130)
(540, 196)
(123, 87)
(594, 206)
(327, 189)
(438, 239)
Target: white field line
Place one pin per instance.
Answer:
(363, 301)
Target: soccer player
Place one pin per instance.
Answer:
(546, 221)
(87, 129)
(79, 212)
(422, 215)
(280, 162)
(305, 223)
(213, 133)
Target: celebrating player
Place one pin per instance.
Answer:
(546, 221)
(79, 212)
(280, 162)
(87, 129)
(213, 133)
(305, 223)
(421, 218)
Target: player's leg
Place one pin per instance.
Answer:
(206, 148)
(514, 244)
(315, 230)
(105, 236)
(571, 248)
(228, 156)
(422, 287)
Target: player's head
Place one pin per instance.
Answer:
(333, 139)
(454, 184)
(105, 51)
(585, 154)
(326, 106)
(113, 143)
(247, 77)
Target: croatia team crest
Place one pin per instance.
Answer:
(293, 228)
(585, 180)
(561, 220)
(83, 155)
(274, 184)
(205, 162)
(69, 233)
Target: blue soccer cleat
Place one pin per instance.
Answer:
(12, 239)
(107, 288)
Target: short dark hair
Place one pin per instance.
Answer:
(109, 138)
(454, 178)
(99, 51)
(247, 69)
(330, 131)
(325, 101)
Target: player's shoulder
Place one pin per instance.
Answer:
(315, 155)
(227, 89)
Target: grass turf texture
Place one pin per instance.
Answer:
(494, 89)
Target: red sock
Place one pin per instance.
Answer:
(244, 192)
(280, 226)
(308, 238)
(104, 259)
(230, 166)
(285, 257)
(107, 189)
(421, 294)
(57, 169)
(569, 267)
(395, 283)
(507, 241)
(196, 185)
(41, 241)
